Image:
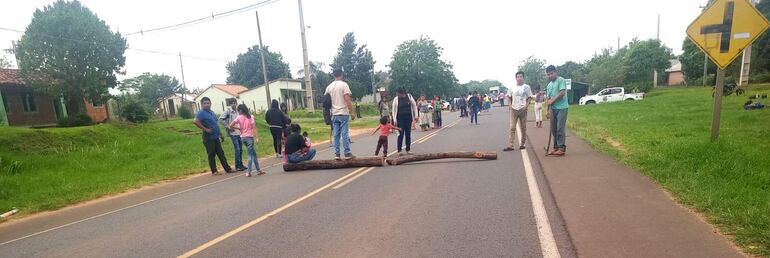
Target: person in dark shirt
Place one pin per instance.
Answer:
(475, 103)
(277, 121)
(297, 149)
(206, 120)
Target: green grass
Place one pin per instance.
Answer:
(46, 169)
(667, 137)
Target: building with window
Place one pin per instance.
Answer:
(22, 106)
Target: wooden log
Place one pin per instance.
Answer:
(443, 155)
(334, 164)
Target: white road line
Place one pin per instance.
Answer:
(547, 241)
(264, 217)
(353, 178)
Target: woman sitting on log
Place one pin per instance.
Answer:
(297, 149)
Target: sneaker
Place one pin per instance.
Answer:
(522, 147)
(508, 148)
(240, 169)
(336, 156)
(349, 156)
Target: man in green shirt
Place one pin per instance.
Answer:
(556, 100)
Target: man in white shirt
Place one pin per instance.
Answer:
(339, 91)
(519, 97)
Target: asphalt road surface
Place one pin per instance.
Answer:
(443, 208)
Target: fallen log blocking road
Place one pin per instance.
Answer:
(377, 161)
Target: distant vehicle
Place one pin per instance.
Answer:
(610, 95)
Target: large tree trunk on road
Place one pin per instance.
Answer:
(377, 161)
(443, 155)
(334, 164)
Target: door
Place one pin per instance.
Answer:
(171, 108)
(615, 95)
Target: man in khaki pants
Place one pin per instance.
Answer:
(519, 96)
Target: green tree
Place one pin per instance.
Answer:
(4, 63)
(481, 86)
(570, 70)
(150, 89)
(68, 50)
(416, 65)
(761, 48)
(319, 78)
(604, 69)
(247, 68)
(643, 58)
(534, 71)
(357, 63)
(692, 63)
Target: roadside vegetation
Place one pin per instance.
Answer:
(667, 137)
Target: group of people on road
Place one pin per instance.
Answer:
(554, 97)
(402, 115)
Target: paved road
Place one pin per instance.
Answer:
(440, 208)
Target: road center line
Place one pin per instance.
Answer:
(547, 242)
(266, 216)
(353, 178)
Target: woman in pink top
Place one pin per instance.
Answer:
(245, 122)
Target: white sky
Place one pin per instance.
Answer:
(483, 39)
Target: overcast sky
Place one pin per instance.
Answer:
(483, 39)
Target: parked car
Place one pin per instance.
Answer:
(610, 95)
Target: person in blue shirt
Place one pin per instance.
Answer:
(206, 120)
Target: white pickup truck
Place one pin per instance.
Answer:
(610, 95)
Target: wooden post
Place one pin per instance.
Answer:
(717, 104)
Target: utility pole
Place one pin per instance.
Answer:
(374, 88)
(264, 66)
(308, 85)
(184, 83)
(655, 72)
(746, 63)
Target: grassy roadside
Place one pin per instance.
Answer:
(667, 137)
(46, 169)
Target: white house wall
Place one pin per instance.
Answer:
(218, 97)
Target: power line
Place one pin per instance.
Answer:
(127, 48)
(203, 19)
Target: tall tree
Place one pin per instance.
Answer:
(643, 58)
(67, 49)
(761, 47)
(357, 63)
(4, 63)
(417, 66)
(151, 88)
(481, 86)
(318, 76)
(570, 70)
(247, 68)
(534, 71)
(692, 63)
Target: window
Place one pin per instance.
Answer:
(96, 102)
(615, 91)
(28, 102)
(5, 103)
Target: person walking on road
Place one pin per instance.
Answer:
(384, 129)
(519, 96)
(556, 101)
(206, 120)
(405, 114)
(539, 99)
(277, 121)
(339, 91)
(424, 107)
(249, 136)
(235, 135)
(437, 108)
(462, 102)
(475, 103)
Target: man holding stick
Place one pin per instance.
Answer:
(556, 102)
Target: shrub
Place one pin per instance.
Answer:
(135, 113)
(76, 120)
(761, 78)
(185, 112)
(639, 87)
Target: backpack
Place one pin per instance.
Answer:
(327, 108)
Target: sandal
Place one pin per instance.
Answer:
(259, 173)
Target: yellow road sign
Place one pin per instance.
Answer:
(725, 28)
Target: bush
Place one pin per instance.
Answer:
(185, 112)
(135, 113)
(76, 120)
(760, 78)
(639, 87)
